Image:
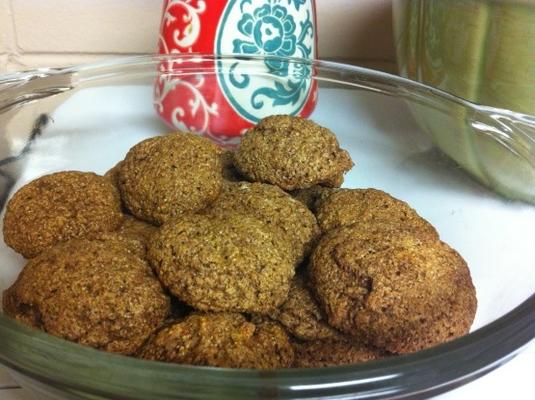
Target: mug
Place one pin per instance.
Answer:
(224, 105)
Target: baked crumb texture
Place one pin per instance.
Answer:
(221, 340)
(59, 207)
(166, 176)
(90, 292)
(229, 263)
(292, 153)
(391, 289)
(255, 258)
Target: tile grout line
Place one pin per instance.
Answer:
(13, 50)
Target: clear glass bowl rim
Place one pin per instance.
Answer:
(429, 371)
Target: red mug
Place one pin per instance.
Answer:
(224, 105)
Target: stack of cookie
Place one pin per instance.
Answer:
(188, 253)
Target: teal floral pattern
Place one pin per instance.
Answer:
(271, 31)
(276, 29)
(297, 3)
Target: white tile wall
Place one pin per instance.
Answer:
(27, 61)
(94, 26)
(3, 62)
(64, 32)
(5, 27)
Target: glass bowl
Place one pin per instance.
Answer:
(86, 118)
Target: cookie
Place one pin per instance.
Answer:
(91, 292)
(396, 292)
(292, 153)
(234, 263)
(59, 207)
(166, 176)
(221, 340)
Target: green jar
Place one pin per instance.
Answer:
(482, 51)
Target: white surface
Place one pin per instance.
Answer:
(494, 236)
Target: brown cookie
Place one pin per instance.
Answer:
(333, 352)
(314, 196)
(230, 173)
(232, 263)
(91, 292)
(301, 315)
(59, 207)
(221, 340)
(166, 176)
(113, 174)
(292, 153)
(359, 206)
(275, 208)
(133, 234)
(393, 290)
(136, 229)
